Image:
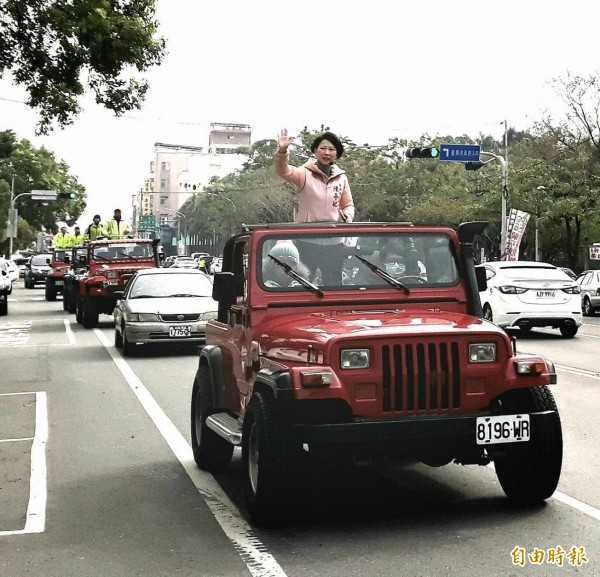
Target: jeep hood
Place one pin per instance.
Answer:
(295, 332)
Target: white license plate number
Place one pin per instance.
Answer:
(544, 294)
(182, 331)
(59, 283)
(502, 429)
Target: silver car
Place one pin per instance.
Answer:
(589, 280)
(164, 305)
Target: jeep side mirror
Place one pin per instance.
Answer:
(480, 275)
(224, 288)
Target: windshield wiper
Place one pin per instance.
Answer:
(304, 282)
(147, 297)
(384, 275)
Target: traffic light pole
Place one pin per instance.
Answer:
(503, 228)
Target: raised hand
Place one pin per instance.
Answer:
(284, 140)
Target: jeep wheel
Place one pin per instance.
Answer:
(71, 301)
(265, 461)
(529, 472)
(3, 307)
(568, 331)
(487, 313)
(587, 309)
(78, 309)
(50, 293)
(65, 302)
(211, 452)
(118, 339)
(90, 313)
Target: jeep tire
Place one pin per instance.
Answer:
(50, 292)
(266, 460)
(78, 309)
(529, 472)
(211, 452)
(90, 313)
(3, 306)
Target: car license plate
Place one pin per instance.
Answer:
(181, 331)
(545, 294)
(502, 429)
(59, 283)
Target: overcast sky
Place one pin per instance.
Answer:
(369, 70)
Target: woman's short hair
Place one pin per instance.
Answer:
(339, 147)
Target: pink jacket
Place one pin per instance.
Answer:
(320, 199)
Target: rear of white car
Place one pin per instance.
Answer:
(531, 294)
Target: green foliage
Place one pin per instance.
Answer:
(53, 46)
(38, 169)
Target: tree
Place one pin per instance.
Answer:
(53, 47)
(38, 169)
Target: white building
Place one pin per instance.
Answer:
(177, 172)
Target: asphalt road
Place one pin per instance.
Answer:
(96, 477)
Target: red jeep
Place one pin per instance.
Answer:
(110, 265)
(390, 361)
(55, 281)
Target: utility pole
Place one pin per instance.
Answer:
(504, 165)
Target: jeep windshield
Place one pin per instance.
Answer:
(123, 251)
(385, 259)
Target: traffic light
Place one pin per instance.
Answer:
(67, 195)
(422, 153)
(473, 165)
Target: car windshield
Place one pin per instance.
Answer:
(371, 261)
(40, 259)
(120, 251)
(171, 285)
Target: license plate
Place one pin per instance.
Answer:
(110, 283)
(545, 294)
(59, 283)
(182, 331)
(502, 429)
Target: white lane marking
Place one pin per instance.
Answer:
(14, 334)
(16, 440)
(582, 372)
(260, 563)
(38, 489)
(70, 333)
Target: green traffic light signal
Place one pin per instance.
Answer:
(67, 195)
(429, 152)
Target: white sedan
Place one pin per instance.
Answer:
(527, 294)
(164, 305)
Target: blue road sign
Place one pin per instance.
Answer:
(460, 152)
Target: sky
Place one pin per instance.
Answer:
(369, 71)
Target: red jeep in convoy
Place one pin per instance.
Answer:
(55, 281)
(110, 265)
(391, 361)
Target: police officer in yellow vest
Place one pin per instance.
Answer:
(94, 230)
(116, 227)
(77, 238)
(62, 239)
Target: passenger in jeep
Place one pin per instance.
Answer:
(274, 275)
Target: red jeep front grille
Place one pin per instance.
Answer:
(421, 376)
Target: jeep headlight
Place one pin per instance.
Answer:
(112, 274)
(482, 353)
(355, 358)
(144, 317)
